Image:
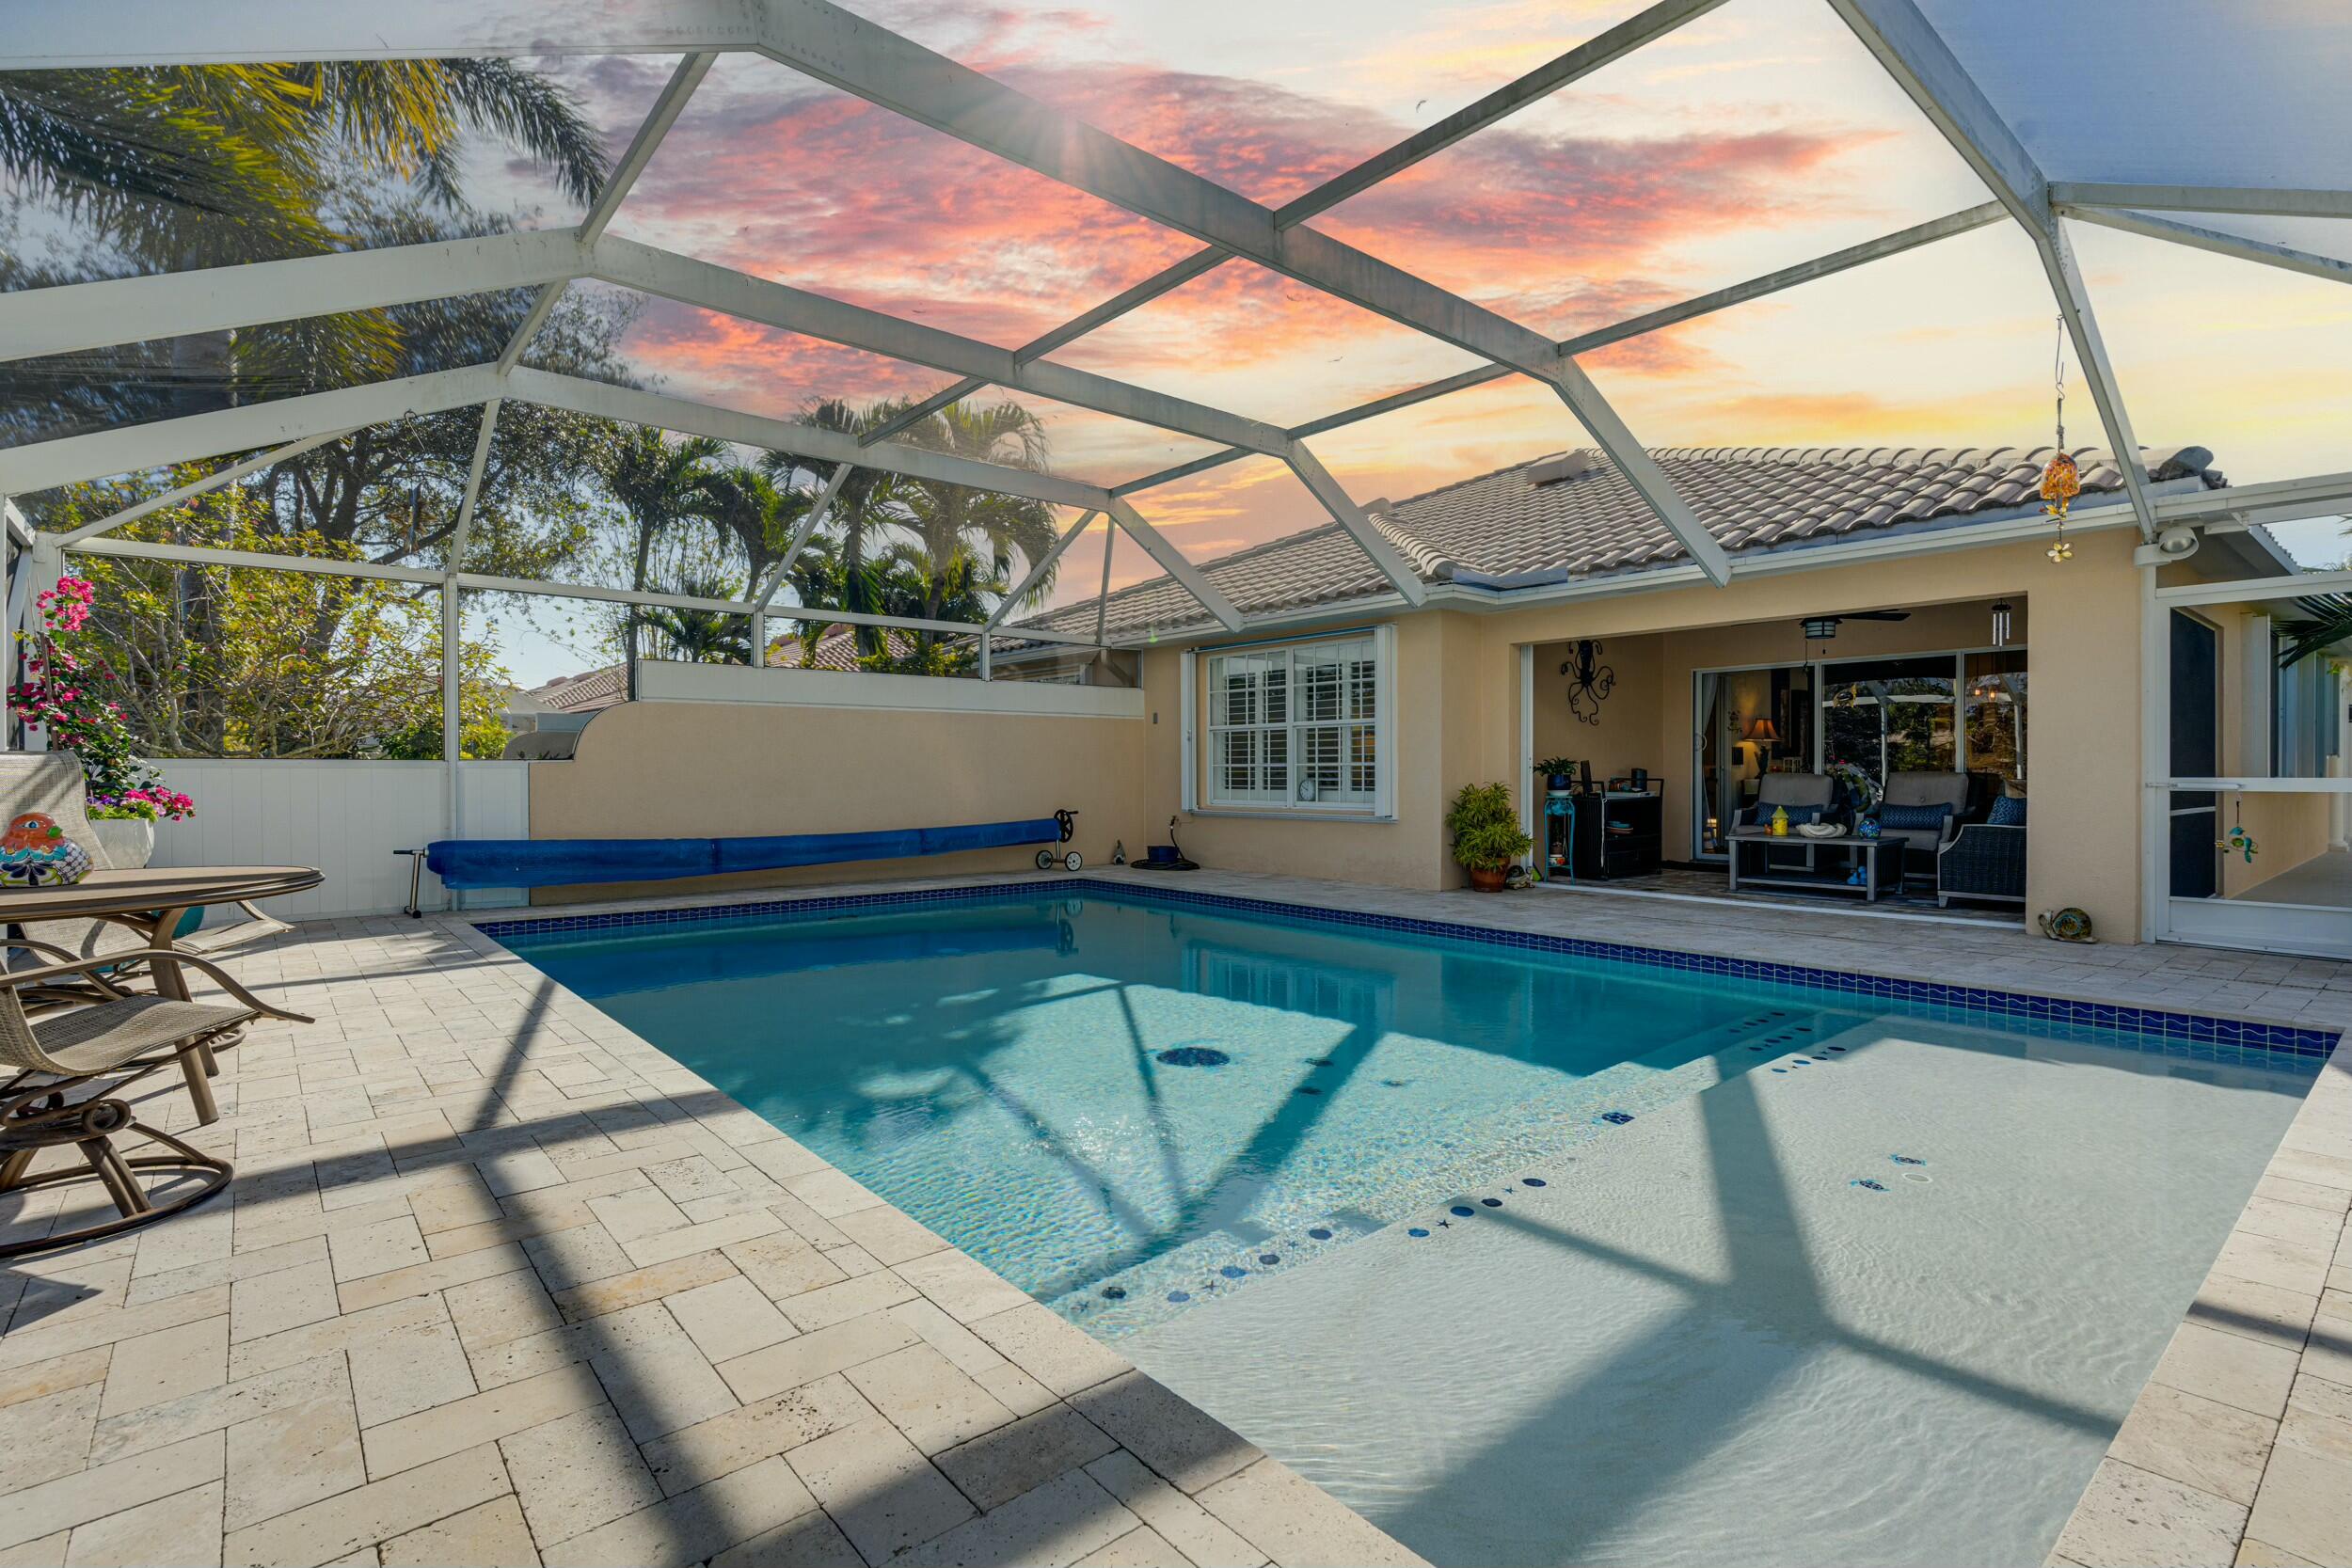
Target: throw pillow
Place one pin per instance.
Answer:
(1913, 817)
(2009, 812)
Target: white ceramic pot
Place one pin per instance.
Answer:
(129, 842)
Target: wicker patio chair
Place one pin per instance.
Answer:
(69, 1074)
(1984, 860)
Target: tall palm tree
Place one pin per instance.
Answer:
(701, 636)
(754, 514)
(971, 538)
(183, 167)
(661, 484)
(196, 165)
(869, 502)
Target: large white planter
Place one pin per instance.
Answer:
(128, 842)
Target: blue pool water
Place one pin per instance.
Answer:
(1530, 1256)
(1129, 1107)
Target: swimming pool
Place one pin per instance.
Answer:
(1517, 1249)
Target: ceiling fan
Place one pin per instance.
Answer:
(1820, 628)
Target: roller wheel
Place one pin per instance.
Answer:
(1072, 861)
(1046, 860)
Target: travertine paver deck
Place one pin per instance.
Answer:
(500, 1283)
(2239, 1449)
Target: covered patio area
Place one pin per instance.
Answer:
(1825, 718)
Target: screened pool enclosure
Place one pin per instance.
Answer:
(1232, 273)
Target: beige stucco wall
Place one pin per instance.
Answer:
(1629, 727)
(726, 770)
(1458, 715)
(1439, 711)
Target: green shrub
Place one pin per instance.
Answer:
(1485, 828)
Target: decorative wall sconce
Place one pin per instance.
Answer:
(1589, 680)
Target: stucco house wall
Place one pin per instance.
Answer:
(658, 769)
(1458, 720)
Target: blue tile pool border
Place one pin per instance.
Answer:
(2174, 1034)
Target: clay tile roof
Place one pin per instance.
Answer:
(585, 693)
(1504, 530)
(836, 649)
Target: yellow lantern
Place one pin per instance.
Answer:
(2062, 482)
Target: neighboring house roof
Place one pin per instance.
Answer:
(597, 689)
(585, 693)
(836, 649)
(1572, 516)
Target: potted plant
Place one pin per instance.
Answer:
(1559, 774)
(1488, 838)
(125, 824)
(63, 697)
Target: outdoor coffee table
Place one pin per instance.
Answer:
(1866, 851)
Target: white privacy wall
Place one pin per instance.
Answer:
(347, 819)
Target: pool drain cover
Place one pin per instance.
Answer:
(1192, 1055)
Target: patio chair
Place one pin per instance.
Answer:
(1807, 798)
(1913, 824)
(70, 1071)
(1985, 860)
(51, 783)
(1796, 791)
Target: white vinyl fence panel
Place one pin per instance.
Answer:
(347, 819)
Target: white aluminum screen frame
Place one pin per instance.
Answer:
(832, 45)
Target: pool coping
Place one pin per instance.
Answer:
(2238, 1448)
(2175, 1479)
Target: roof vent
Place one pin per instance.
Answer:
(1553, 471)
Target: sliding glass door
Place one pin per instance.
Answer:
(1751, 722)
(1926, 713)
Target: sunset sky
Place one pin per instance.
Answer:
(1756, 136)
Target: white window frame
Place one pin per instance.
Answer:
(1201, 730)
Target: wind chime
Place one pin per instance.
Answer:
(2062, 481)
(2237, 841)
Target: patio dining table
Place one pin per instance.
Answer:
(150, 901)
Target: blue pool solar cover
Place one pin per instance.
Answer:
(559, 861)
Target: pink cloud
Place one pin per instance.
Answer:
(778, 176)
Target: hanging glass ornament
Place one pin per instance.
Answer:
(2062, 480)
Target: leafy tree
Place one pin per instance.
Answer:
(920, 549)
(755, 514)
(230, 661)
(870, 503)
